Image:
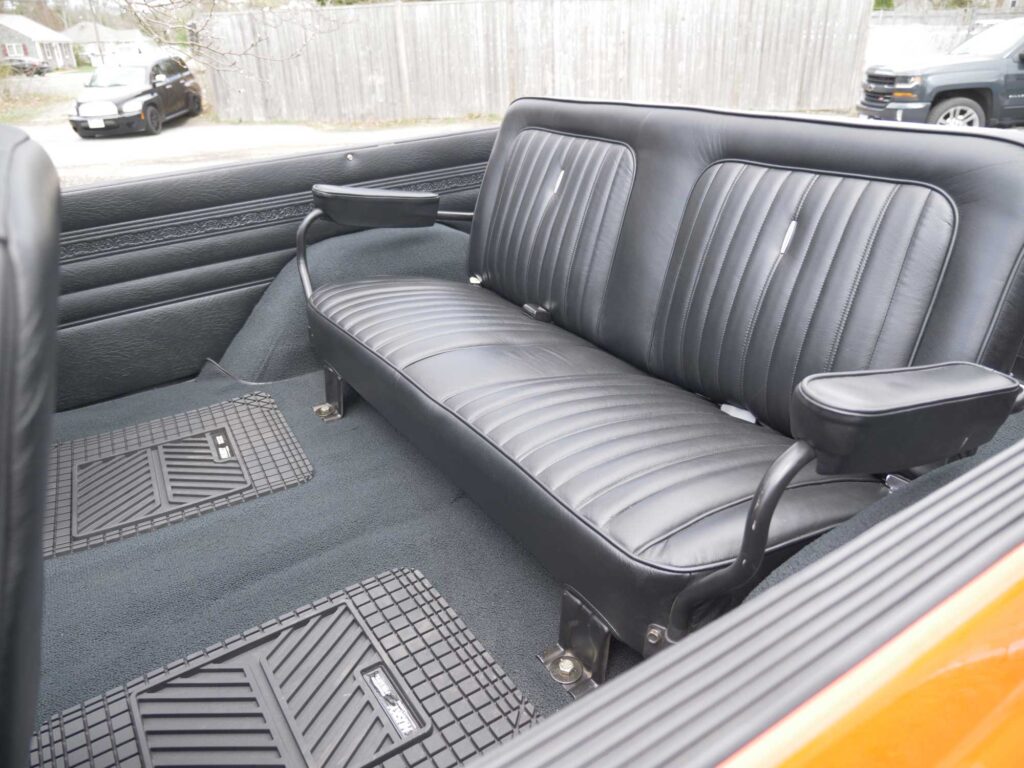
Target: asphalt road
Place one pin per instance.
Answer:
(188, 142)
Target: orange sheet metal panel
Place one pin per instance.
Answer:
(948, 690)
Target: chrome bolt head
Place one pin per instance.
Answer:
(567, 670)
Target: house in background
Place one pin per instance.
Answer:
(102, 44)
(20, 36)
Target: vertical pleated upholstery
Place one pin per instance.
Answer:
(778, 274)
(554, 228)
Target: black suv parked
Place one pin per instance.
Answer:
(981, 82)
(136, 97)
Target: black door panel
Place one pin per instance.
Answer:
(158, 274)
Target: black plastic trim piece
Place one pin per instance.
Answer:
(704, 698)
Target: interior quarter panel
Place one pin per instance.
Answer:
(158, 274)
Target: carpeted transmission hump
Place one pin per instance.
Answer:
(121, 610)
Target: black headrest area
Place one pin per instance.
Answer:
(693, 267)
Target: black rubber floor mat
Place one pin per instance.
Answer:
(121, 483)
(382, 673)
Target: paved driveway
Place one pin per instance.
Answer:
(191, 143)
(187, 142)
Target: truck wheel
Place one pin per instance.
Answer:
(959, 111)
(154, 120)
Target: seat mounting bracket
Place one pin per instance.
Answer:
(579, 661)
(333, 407)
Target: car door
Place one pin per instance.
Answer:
(158, 79)
(175, 71)
(1013, 82)
(160, 273)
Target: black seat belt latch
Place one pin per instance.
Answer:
(537, 312)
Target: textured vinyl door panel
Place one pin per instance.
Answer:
(158, 274)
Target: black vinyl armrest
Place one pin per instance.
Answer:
(367, 208)
(884, 421)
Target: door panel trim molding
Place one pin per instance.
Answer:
(85, 244)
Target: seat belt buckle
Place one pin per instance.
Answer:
(537, 312)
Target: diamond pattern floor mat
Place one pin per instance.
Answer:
(117, 484)
(382, 673)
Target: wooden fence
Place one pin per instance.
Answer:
(453, 58)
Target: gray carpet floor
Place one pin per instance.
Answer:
(127, 607)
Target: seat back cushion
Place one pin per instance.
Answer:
(558, 209)
(781, 273)
(733, 254)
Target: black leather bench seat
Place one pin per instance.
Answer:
(610, 450)
(687, 259)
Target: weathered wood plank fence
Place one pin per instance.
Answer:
(416, 60)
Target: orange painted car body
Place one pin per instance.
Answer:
(948, 690)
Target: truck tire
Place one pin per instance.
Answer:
(959, 112)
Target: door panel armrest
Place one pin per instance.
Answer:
(887, 420)
(367, 208)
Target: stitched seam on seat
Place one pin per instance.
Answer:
(487, 389)
(659, 446)
(519, 221)
(1015, 274)
(685, 317)
(746, 500)
(665, 465)
(852, 293)
(698, 368)
(534, 392)
(548, 213)
(764, 293)
(821, 288)
(631, 170)
(397, 332)
(608, 441)
(395, 326)
(899, 275)
(514, 192)
(431, 355)
(789, 299)
(665, 300)
(512, 184)
(587, 270)
(551, 400)
(565, 417)
(739, 285)
(577, 179)
(579, 234)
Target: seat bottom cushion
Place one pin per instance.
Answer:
(623, 485)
